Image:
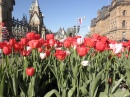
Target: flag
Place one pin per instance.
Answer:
(80, 20)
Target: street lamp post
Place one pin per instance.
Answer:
(77, 20)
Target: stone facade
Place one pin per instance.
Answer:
(61, 34)
(113, 20)
(36, 18)
(6, 8)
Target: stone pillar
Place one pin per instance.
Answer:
(0, 20)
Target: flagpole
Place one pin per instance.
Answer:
(77, 24)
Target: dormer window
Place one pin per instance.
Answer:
(124, 13)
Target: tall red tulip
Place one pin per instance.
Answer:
(101, 46)
(35, 44)
(82, 51)
(30, 35)
(89, 42)
(37, 36)
(7, 49)
(12, 41)
(49, 36)
(51, 42)
(67, 44)
(24, 41)
(30, 71)
(60, 54)
(25, 53)
(18, 47)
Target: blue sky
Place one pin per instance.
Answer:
(62, 13)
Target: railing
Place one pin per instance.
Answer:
(20, 28)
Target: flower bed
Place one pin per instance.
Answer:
(73, 67)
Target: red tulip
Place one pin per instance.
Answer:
(40, 49)
(37, 36)
(18, 47)
(125, 44)
(30, 71)
(2, 44)
(67, 44)
(82, 51)
(60, 54)
(30, 35)
(49, 36)
(101, 46)
(96, 36)
(24, 41)
(89, 42)
(103, 39)
(25, 53)
(51, 42)
(12, 41)
(7, 49)
(34, 44)
(47, 53)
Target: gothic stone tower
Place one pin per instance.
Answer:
(36, 18)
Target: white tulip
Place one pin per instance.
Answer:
(85, 63)
(117, 48)
(42, 55)
(80, 41)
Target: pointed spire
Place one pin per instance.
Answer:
(36, 3)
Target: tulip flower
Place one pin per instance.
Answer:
(82, 51)
(7, 50)
(42, 55)
(30, 71)
(60, 54)
(30, 36)
(117, 48)
(101, 46)
(67, 44)
(85, 63)
(49, 36)
(80, 41)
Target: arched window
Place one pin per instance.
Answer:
(123, 35)
(124, 13)
(123, 24)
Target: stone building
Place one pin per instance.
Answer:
(36, 18)
(61, 34)
(6, 8)
(113, 20)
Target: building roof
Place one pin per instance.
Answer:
(93, 22)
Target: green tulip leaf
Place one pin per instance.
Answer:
(71, 91)
(75, 71)
(103, 94)
(128, 77)
(49, 94)
(115, 87)
(2, 84)
(95, 83)
(122, 93)
(84, 90)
